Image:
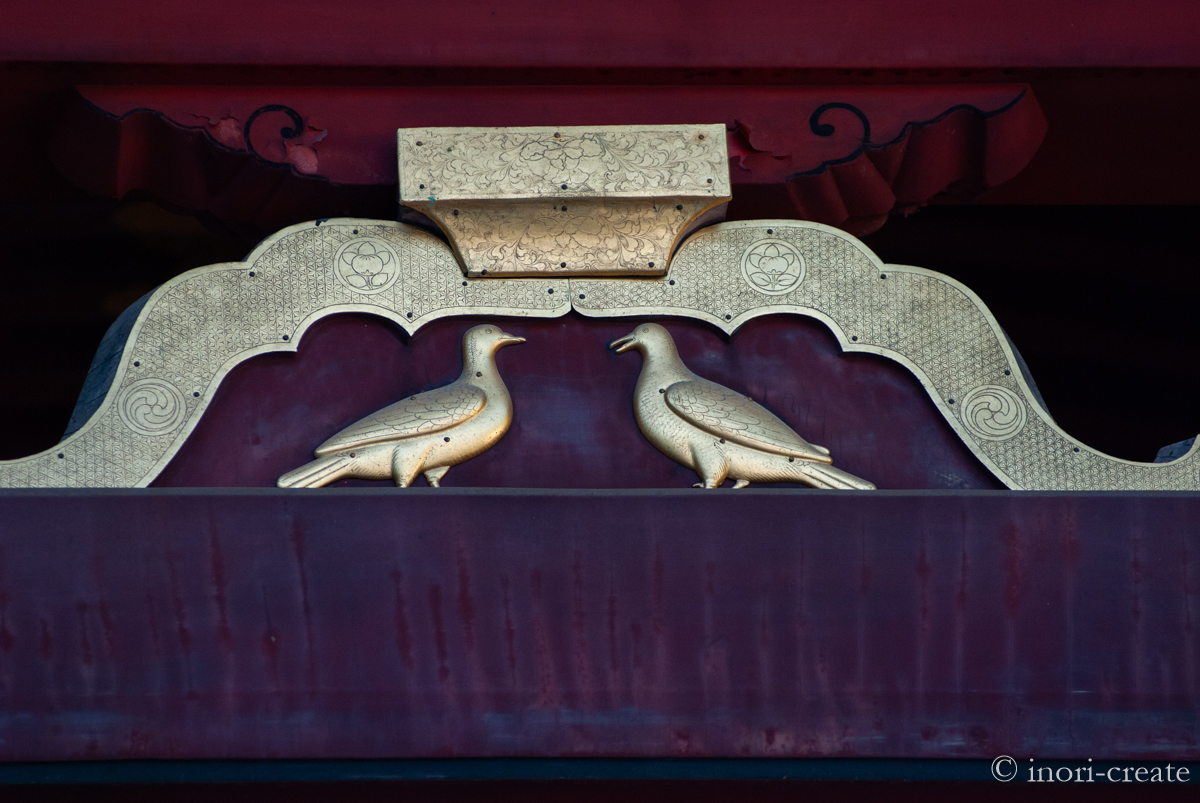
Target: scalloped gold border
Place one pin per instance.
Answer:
(200, 325)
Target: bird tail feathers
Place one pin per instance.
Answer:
(821, 475)
(318, 473)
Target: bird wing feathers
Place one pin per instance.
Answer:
(730, 415)
(423, 414)
(819, 475)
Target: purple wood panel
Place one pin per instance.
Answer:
(372, 623)
(573, 426)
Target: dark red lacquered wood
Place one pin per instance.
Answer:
(842, 155)
(620, 33)
(365, 623)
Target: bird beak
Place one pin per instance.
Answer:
(623, 343)
(507, 339)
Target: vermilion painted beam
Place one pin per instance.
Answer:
(619, 33)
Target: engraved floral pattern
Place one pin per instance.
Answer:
(560, 159)
(367, 265)
(521, 163)
(772, 267)
(591, 236)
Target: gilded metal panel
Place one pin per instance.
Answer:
(936, 327)
(198, 326)
(577, 200)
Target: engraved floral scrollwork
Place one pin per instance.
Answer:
(583, 200)
(992, 412)
(772, 267)
(520, 162)
(560, 159)
(152, 407)
(586, 236)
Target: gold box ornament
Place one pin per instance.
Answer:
(567, 201)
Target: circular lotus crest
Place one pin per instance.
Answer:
(367, 265)
(772, 267)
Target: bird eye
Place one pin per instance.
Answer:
(487, 331)
(646, 331)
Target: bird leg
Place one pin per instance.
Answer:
(710, 464)
(406, 465)
(434, 476)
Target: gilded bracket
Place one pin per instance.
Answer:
(565, 201)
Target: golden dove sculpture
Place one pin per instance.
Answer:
(423, 434)
(715, 432)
